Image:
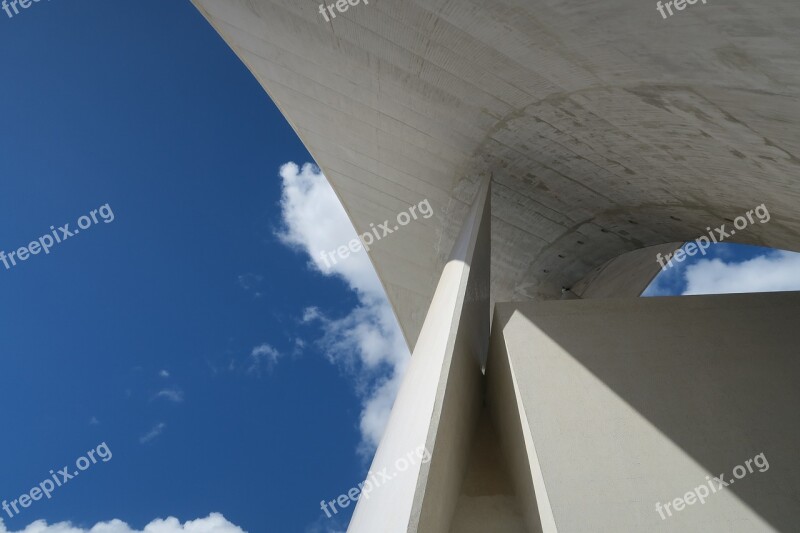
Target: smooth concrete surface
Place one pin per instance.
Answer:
(630, 402)
(457, 408)
(606, 127)
(439, 401)
(488, 502)
(507, 410)
(626, 276)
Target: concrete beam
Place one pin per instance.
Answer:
(439, 400)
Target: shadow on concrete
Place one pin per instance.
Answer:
(718, 375)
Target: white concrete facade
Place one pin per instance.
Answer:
(609, 134)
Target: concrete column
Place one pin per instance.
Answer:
(439, 401)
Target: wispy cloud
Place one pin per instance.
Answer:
(310, 314)
(263, 357)
(366, 342)
(157, 430)
(173, 395)
(163, 374)
(325, 525)
(94, 421)
(251, 283)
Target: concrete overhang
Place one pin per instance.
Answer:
(605, 128)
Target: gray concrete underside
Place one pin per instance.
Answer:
(606, 128)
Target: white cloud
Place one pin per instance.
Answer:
(157, 430)
(316, 222)
(775, 271)
(250, 282)
(173, 395)
(310, 314)
(213, 523)
(324, 525)
(164, 374)
(367, 341)
(261, 356)
(375, 413)
(369, 344)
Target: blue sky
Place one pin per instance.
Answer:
(727, 268)
(226, 370)
(141, 106)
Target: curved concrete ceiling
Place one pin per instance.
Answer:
(605, 127)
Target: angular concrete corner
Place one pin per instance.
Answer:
(439, 400)
(621, 407)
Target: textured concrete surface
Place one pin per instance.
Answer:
(629, 402)
(605, 127)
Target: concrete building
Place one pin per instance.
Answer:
(562, 144)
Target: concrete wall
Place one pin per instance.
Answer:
(629, 402)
